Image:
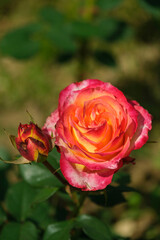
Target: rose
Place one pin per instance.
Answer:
(96, 128)
(32, 142)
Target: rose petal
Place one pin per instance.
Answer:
(81, 177)
(94, 161)
(70, 91)
(49, 126)
(144, 125)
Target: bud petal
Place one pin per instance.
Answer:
(32, 142)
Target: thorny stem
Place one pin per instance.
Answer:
(54, 172)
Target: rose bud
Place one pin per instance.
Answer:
(96, 128)
(32, 142)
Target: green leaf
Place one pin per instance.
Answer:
(44, 193)
(152, 6)
(58, 231)
(111, 29)
(84, 30)
(5, 155)
(41, 214)
(108, 27)
(111, 196)
(38, 175)
(51, 16)
(99, 199)
(105, 57)
(19, 43)
(18, 231)
(94, 228)
(108, 5)
(3, 216)
(60, 37)
(115, 194)
(54, 158)
(121, 178)
(19, 199)
(56, 31)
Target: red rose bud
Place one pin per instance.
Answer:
(32, 142)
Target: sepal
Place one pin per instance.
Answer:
(20, 160)
(41, 158)
(12, 140)
(30, 116)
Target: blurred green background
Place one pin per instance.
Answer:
(46, 45)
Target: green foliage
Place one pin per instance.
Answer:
(84, 30)
(41, 214)
(19, 199)
(4, 154)
(56, 31)
(152, 6)
(115, 194)
(105, 57)
(3, 216)
(111, 29)
(26, 200)
(38, 176)
(108, 5)
(44, 193)
(111, 196)
(19, 231)
(64, 38)
(20, 43)
(122, 178)
(51, 16)
(58, 231)
(93, 228)
(61, 39)
(54, 157)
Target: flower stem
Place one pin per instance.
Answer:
(80, 204)
(82, 60)
(54, 172)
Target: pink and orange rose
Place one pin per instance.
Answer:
(96, 127)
